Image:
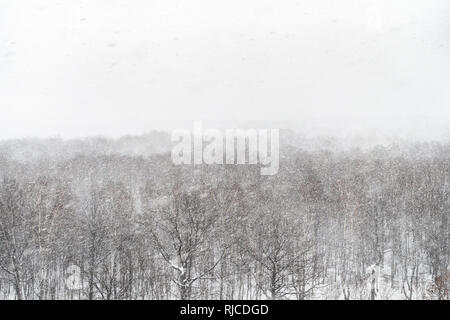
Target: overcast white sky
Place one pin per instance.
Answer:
(76, 68)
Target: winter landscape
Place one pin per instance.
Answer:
(340, 192)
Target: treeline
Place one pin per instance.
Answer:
(354, 224)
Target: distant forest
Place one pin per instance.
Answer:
(101, 218)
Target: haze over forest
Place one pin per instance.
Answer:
(93, 207)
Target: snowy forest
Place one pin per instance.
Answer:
(101, 218)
